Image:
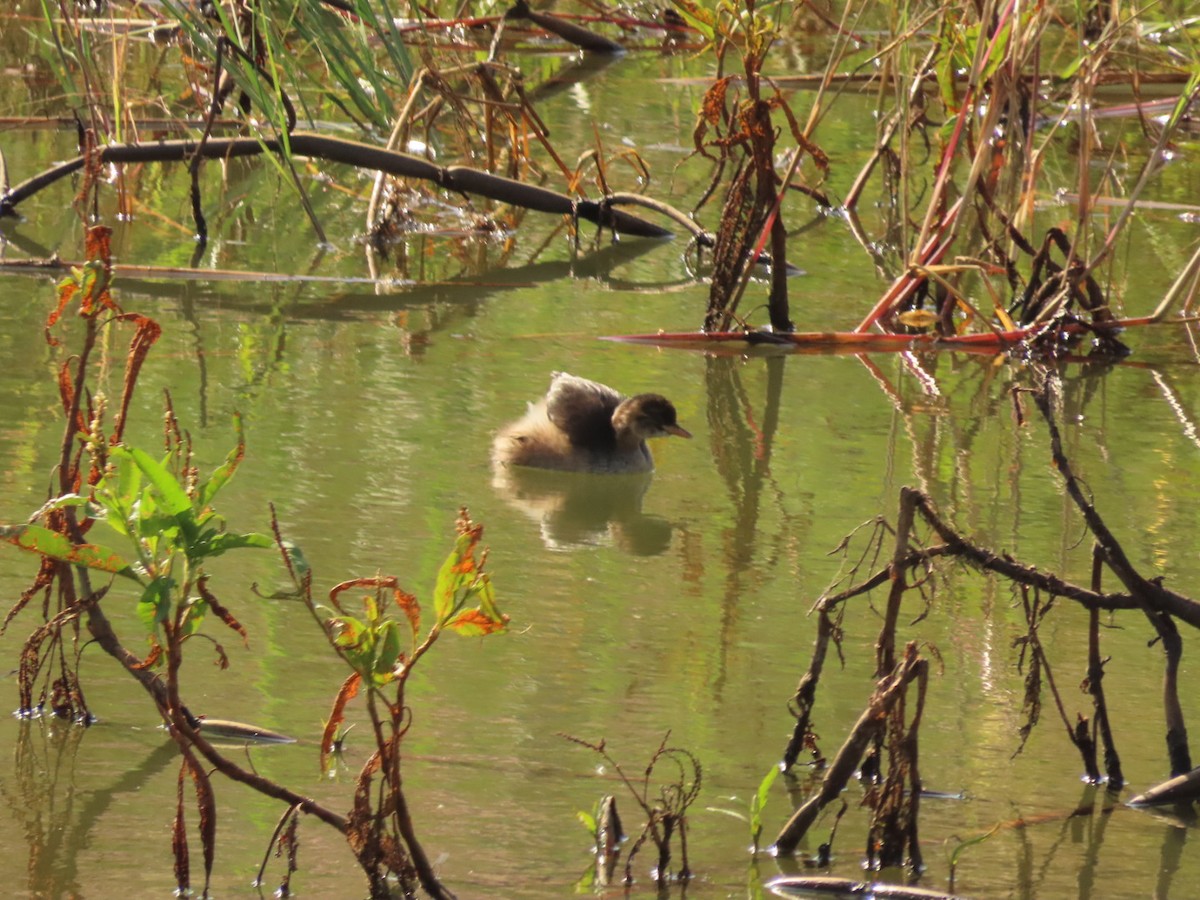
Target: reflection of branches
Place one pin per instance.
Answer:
(1159, 604)
(1036, 608)
(1186, 420)
(42, 781)
(890, 691)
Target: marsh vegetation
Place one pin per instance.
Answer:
(933, 270)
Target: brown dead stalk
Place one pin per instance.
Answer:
(888, 693)
(665, 812)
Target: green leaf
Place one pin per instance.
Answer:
(387, 650)
(698, 17)
(1071, 69)
(456, 572)
(759, 801)
(221, 475)
(128, 481)
(117, 492)
(945, 66)
(588, 821)
(60, 503)
(374, 614)
(476, 623)
(56, 546)
(484, 619)
(349, 631)
(486, 592)
(154, 606)
(197, 609)
(152, 524)
(171, 494)
(357, 643)
(219, 543)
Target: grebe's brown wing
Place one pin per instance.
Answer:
(583, 410)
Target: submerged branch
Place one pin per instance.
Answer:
(1159, 605)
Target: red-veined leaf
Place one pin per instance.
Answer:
(347, 692)
(475, 623)
(54, 545)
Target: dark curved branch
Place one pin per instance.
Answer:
(1141, 590)
(888, 691)
(568, 31)
(984, 559)
(702, 238)
(338, 150)
(1160, 606)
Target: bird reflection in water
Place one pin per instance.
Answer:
(574, 510)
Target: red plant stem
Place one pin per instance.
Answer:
(935, 248)
(904, 286)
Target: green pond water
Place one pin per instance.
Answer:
(369, 415)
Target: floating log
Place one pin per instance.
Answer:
(798, 885)
(1180, 789)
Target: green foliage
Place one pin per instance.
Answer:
(142, 499)
(959, 44)
(361, 61)
(699, 17)
(759, 802)
(168, 525)
(756, 25)
(381, 644)
(56, 546)
(588, 821)
(373, 645)
(461, 580)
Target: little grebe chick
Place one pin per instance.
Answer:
(584, 426)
